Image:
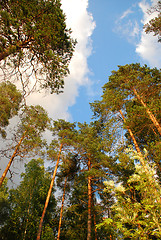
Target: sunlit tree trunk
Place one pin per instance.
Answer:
(135, 143)
(48, 195)
(89, 224)
(12, 158)
(150, 114)
(131, 133)
(61, 211)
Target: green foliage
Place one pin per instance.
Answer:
(4, 203)
(27, 202)
(34, 34)
(137, 209)
(121, 110)
(74, 225)
(34, 121)
(154, 24)
(63, 134)
(119, 91)
(10, 99)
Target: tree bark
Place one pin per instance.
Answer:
(48, 195)
(89, 223)
(150, 114)
(61, 211)
(131, 133)
(11, 159)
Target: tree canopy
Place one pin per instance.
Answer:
(154, 25)
(34, 37)
(10, 99)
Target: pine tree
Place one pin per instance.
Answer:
(64, 131)
(34, 41)
(68, 171)
(10, 99)
(154, 25)
(34, 122)
(90, 149)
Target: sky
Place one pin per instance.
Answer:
(109, 33)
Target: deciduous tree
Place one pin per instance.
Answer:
(27, 202)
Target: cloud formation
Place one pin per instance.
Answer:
(126, 13)
(82, 24)
(148, 48)
(127, 26)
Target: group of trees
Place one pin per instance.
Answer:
(103, 179)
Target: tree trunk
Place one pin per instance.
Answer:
(131, 133)
(61, 211)
(11, 159)
(89, 223)
(94, 218)
(150, 114)
(95, 229)
(48, 195)
(137, 149)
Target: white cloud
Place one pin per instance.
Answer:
(127, 26)
(82, 24)
(148, 48)
(126, 13)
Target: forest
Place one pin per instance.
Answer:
(103, 180)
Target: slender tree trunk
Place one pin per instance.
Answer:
(61, 211)
(94, 218)
(131, 133)
(95, 229)
(12, 158)
(151, 116)
(48, 195)
(89, 223)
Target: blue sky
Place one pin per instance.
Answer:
(109, 33)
